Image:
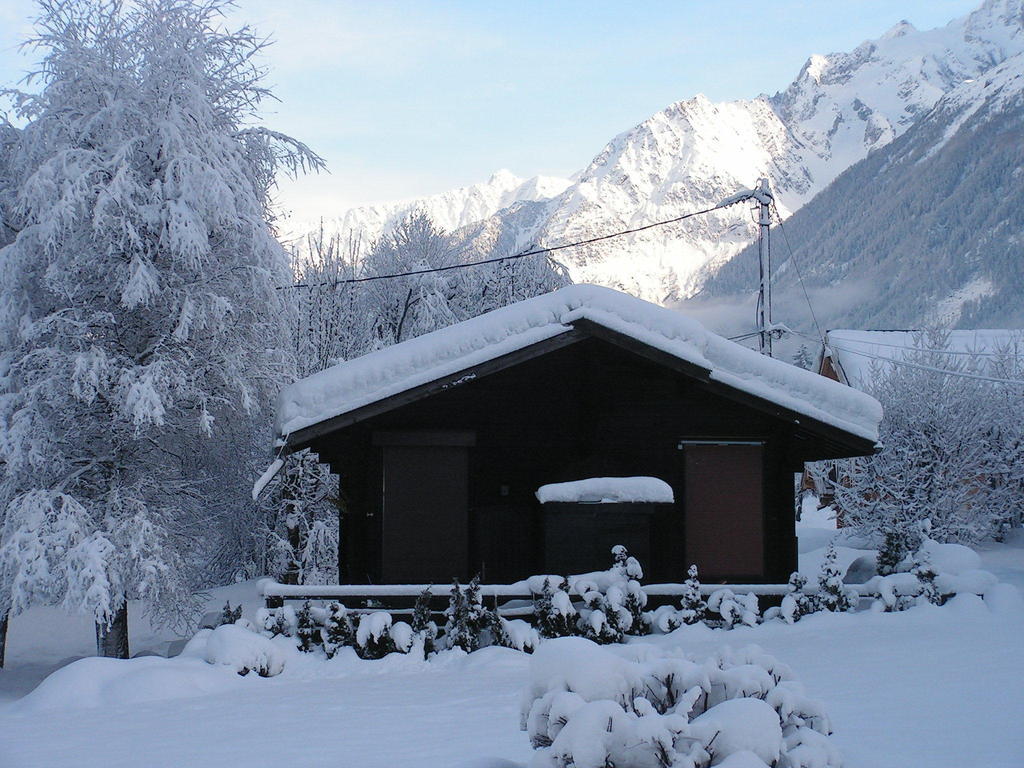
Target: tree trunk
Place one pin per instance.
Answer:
(112, 639)
(4, 618)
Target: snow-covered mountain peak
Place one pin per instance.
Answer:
(899, 29)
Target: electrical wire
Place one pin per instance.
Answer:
(918, 366)
(799, 276)
(535, 252)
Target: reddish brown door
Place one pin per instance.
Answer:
(724, 510)
(424, 526)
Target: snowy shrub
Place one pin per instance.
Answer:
(614, 600)
(230, 615)
(373, 636)
(895, 546)
(338, 631)
(423, 625)
(467, 619)
(693, 608)
(587, 707)
(553, 610)
(517, 634)
(734, 609)
(833, 595)
(796, 603)
(244, 651)
(925, 575)
(307, 629)
(277, 621)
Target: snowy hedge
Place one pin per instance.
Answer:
(588, 707)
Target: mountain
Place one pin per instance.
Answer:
(696, 152)
(928, 229)
(450, 210)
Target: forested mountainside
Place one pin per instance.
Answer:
(929, 229)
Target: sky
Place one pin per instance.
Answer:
(409, 98)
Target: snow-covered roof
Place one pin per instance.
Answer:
(853, 353)
(608, 490)
(387, 372)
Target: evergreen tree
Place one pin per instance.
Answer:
(893, 551)
(795, 603)
(925, 574)
(832, 593)
(307, 631)
(230, 615)
(693, 608)
(338, 631)
(423, 625)
(553, 611)
(467, 617)
(138, 310)
(802, 358)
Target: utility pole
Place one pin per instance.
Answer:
(763, 196)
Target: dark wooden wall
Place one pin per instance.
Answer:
(586, 410)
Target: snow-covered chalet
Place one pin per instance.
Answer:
(443, 441)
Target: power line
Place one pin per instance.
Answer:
(535, 252)
(932, 350)
(799, 276)
(918, 366)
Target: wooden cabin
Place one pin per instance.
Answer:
(442, 441)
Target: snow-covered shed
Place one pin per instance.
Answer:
(442, 441)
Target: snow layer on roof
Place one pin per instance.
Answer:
(434, 356)
(608, 490)
(858, 351)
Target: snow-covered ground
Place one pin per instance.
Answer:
(929, 687)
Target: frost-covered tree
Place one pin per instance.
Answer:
(802, 358)
(953, 450)
(138, 310)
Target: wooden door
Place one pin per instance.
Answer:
(424, 537)
(724, 510)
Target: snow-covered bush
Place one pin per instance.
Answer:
(338, 631)
(587, 707)
(244, 651)
(832, 594)
(692, 606)
(796, 603)
(423, 625)
(307, 628)
(467, 619)
(614, 600)
(734, 609)
(553, 610)
(373, 636)
(277, 621)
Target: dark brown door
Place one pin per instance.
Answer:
(724, 509)
(424, 526)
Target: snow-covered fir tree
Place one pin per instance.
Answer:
(138, 310)
(553, 610)
(692, 606)
(338, 631)
(423, 625)
(466, 617)
(796, 603)
(833, 595)
(926, 575)
(802, 358)
(307, 630)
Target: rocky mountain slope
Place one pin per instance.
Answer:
(695, 152)
(929, 228)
